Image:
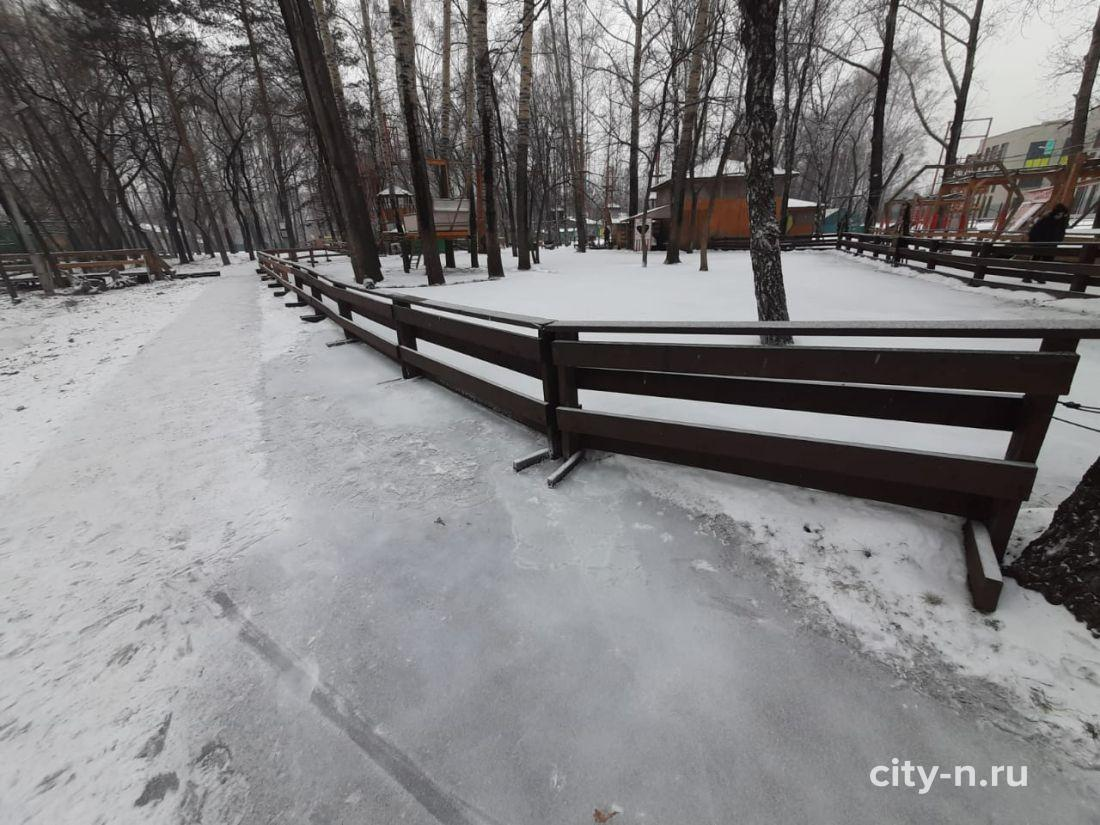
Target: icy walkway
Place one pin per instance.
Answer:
(259, 580)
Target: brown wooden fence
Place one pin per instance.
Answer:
(30, 267)
(1011, 391)
(1072, 264)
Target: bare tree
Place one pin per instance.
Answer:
(484, 80)
(684, 148)
(758, 36)
(404, 51)
(523, 136)
(333, 139)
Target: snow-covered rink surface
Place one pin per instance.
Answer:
(247, 578)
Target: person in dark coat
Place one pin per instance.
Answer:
(1051, 228)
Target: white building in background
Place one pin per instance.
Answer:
(1035, 147)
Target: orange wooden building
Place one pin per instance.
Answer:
(730, 218)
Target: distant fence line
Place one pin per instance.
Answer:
(1070, 263)
(1011, 391)
(44, 269)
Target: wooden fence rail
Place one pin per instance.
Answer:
(32, 267)
(1072, 264)
(1011, 391)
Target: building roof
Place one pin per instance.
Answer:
(709, 169)
(397, 190)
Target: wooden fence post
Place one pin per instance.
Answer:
(567, 393)
(933, 247)
(406, 337)
(1080, 281)
(982, 251)
(550, 394)
(1025, 444)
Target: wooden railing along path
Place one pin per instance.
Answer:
(1073, 264)
(1011, 391)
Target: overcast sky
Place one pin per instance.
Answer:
(1014, 68)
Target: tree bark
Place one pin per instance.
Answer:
(878, 117)
(484, 77)
(523, 136)
(962, 93)
(404, 52)
(635, 111)
(1083, 98)
(682, 159)
(332, 139)
(790, 137)
(471, 143)
(1064, 562)
(758, 32)
(445, 128)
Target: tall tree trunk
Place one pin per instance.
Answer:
(333, 140)
(577, 140)
(1083, 98)
(682, 159)
(509, 202)
(1064, 562)
(878, 117)
(523, 135)
(635, 111)
(471, 144)
(445, 128)
(758, 30)
(274, 144)
(790, 138)
(484, 75)
(404, 52)
(186, 147)
(962, 94)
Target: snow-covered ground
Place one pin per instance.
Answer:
(893, 577)
(248, 578)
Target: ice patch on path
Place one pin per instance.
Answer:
(893, 582)
(703, 566)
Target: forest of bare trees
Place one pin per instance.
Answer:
(208, 126)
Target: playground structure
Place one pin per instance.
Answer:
(398, 219)
(966, 188)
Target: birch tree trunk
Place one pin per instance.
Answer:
(758, 31)
(682, 159)
(523, 136)
(484, 77)
(404, 52)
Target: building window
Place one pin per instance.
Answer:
(1039, 153)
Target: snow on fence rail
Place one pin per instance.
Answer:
(1073, 264)
(1011, 391)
